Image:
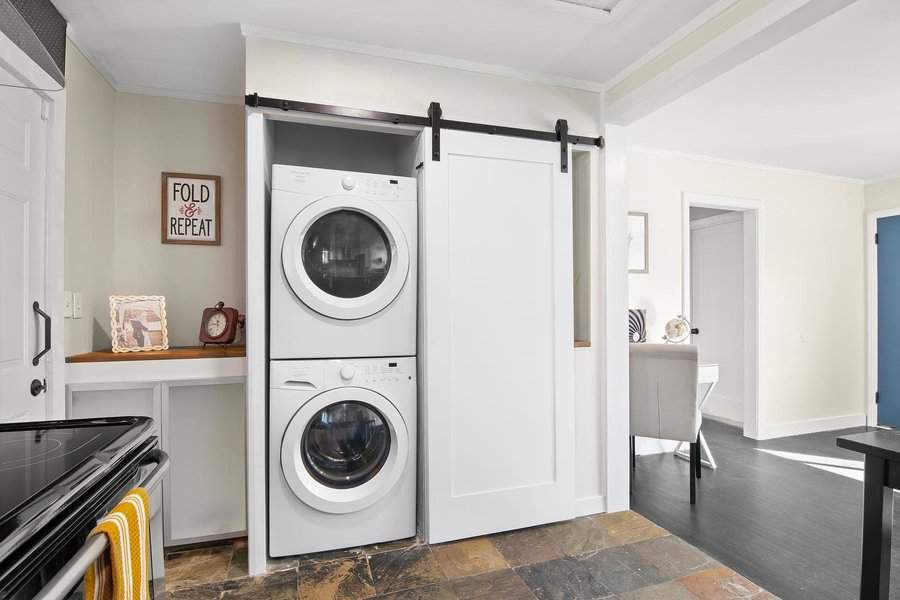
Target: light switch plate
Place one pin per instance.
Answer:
(76, 305)
(67, 308)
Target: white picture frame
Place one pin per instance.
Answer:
(138, 323)
(638, 242)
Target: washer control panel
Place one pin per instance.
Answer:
(376, 371)
(313, 376)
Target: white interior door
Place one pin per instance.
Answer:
(717, 308)
(23, 244)
(496, 335)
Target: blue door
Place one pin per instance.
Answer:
(889, 321)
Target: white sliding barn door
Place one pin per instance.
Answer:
(496, 335)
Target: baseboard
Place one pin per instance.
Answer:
(725, 420)
(590, 505)
(779, 430)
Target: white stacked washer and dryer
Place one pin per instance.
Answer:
(342, 345)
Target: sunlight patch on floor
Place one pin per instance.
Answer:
(852, 469)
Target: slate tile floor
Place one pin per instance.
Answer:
(620, 556)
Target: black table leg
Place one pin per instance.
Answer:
(878, 511)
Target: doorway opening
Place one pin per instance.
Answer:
(721, 258)
(883, 374)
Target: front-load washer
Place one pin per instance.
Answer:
(342, 453)
(343, 264)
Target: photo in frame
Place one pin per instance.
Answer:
(638, 243)
(138, 323)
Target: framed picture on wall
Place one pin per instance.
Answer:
(638, 243)
(191, 209)
(138, 323)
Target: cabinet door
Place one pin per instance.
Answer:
(205, 438)
(496, 328)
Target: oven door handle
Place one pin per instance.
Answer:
(70, 575)
(162, 467)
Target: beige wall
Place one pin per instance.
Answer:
(883, 195)
(118, 145)
(154, 135)
(90, 139)
(812, 302)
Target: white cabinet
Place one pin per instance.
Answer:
(198, 407)
(205, 439)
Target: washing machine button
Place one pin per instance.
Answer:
(348, 183)
(348, 372)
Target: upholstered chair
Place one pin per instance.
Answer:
(663, 387)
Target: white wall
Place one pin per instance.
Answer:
(285, 70)
(118, 145)
(90, 138)
(717, 308)
(812, 296)
(883, 195)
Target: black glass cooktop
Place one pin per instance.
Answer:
(45, 465)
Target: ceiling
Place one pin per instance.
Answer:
(183, 48)
(825, 100)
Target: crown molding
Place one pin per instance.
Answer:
(410, 56)
(882, 178)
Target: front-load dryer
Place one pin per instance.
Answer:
(343, 264)
(342, 453)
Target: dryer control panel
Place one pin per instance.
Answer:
(308, 180)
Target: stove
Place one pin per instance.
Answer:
(57, 478)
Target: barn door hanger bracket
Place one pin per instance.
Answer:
(434, 118)
(562, 134)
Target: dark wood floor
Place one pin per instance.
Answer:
(789, 527)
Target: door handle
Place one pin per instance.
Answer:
(47, 327)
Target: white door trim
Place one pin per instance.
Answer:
(872, 311)
(21, 66)
(753, 262)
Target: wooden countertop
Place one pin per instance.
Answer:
(582, 343)
(170, 354)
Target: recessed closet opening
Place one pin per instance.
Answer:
(331, 146)
(581, 245)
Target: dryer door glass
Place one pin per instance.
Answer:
(346, 254)
(345, 444)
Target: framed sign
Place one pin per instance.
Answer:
(191, 209)
(638, 243)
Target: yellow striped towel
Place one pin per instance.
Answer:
(121, 572)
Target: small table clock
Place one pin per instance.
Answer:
(219, 324)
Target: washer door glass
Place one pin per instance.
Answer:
(346, 444)
(346, 254)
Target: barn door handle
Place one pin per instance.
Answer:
(47, 326)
